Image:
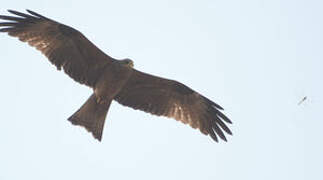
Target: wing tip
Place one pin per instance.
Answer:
(217, 124)
(212, 103)
(10, 10)
(33, 13)
(229, 132)
(213, 135)
(216, 139)
(224, 117)
(37, 15)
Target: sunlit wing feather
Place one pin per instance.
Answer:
(67, 48)
(64, 46)
(172, 99)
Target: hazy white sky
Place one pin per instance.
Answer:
(255, 58)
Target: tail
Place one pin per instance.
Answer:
(91, 116)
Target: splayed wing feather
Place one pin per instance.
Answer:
(64, 46)
(70, 50)
(175, 100)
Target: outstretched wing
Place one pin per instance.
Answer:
(64, 46)
(169, 98)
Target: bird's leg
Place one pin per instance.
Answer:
(98, 100)
(102, 100)
(111, 82)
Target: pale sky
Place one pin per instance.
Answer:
(255, 58)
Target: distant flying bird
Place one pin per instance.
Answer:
(113, 79)
(304, 98)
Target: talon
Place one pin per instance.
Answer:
(98, 100)
(101, 100)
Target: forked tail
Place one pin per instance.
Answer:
(91, 116)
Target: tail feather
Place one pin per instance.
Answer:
(91, 116)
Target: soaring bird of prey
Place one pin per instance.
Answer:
(113, 79)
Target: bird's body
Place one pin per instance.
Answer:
(113, 79)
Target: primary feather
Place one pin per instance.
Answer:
(112, 79)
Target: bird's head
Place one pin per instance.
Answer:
(127, 62)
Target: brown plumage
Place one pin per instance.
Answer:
(113, 79)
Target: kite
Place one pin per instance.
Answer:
(112, 79)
